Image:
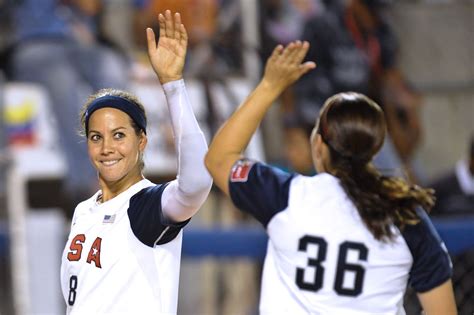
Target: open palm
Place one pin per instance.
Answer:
(168, 55)
(286, 65)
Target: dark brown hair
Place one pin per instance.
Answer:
(353, 127)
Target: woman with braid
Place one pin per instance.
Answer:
(347, 240)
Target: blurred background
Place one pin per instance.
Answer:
(414, 57)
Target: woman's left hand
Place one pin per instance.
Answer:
(168, 55)
(286, 65)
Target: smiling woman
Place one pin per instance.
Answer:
(114, 123)
(115, 148)
(123, 251)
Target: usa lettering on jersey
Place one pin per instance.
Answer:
(76, 246)
(240, 171)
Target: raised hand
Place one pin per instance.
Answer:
(168, 55)
(285, 65)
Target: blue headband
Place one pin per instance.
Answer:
(126, 106)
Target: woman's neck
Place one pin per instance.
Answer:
(112, 189)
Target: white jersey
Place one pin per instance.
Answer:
(122, 256)
(321, 258)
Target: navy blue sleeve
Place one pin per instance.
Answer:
(431, 263)
(148, 223)
(259, 189)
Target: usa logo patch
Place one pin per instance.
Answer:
(240, 171)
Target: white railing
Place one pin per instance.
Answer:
(16, 205)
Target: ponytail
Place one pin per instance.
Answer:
(382, 200)
(353, 128)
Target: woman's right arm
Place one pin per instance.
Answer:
(184, 195)
(439, 300)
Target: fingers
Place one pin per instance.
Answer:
(184, 35)
(161, 21)
(169, 26)
(277, 51)
(286, 65)
(166, 24)
(292, 54)
(177, 26)
(295, 52)
(288, 51)
(301, 53)
(151, 41)
(307, 66)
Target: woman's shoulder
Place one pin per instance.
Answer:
(320, 183)
(319, 179)
(146, 187)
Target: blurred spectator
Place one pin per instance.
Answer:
(350, 47)
(297, 150)
(59, 45)
(5, 32)
(282, 21)
(355, 50)
(213, 30)
(455, 191)
(198, 16)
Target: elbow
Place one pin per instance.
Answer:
(197, 185)
(207, 159)
(212, 162)
(205, 184)
(219, 164)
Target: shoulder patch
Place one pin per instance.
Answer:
(240, 171)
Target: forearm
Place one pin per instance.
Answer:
(439, 301)
(187, 193)
(189, 139)
(233, 137)
(282, 69)
(181, 112)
